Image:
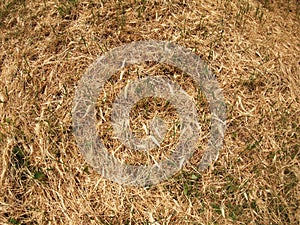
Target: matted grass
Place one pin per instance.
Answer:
(253, 48)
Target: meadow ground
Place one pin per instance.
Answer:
(251, 46)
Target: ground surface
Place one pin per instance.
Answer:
(253, 48)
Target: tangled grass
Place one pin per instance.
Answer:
(252, 47)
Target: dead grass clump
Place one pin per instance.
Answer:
(251, 46)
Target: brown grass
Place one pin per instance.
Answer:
(253, 48)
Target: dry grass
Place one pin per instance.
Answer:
(252, 46)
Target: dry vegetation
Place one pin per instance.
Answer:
(253, 48)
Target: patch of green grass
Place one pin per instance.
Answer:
(253, 145)
(217, 208)
(244, 9)
(259, 14)
(120, 14)
(141, 8)
(234, 211)
(18, 156)
(39, 175)
(13, 221)
(232, 185)
(20, 161)
(190, 184)
(2, 136)
(9, 8)
(66, 9)
(86, 170)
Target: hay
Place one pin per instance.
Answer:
(252, 47)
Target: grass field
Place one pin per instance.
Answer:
(253, 48)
